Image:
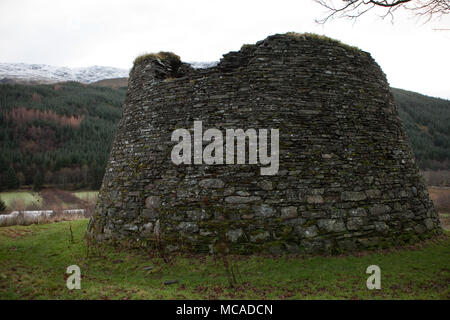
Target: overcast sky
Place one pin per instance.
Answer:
(81, 33)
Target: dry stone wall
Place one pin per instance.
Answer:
(347, 177)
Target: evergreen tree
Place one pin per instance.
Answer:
(12, 182)
(63, 131)
(38, 181)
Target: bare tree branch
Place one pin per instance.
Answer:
(353, 9)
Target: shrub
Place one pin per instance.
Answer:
(2, 206)
(172, 58)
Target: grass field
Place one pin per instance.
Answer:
(28, 198)
(33, 262)
(21, 200)
(86, 194)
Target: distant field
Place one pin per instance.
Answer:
(439, 193)
(441, 198)
(26, 200)
(86, 195)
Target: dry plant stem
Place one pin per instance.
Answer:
(71, 234)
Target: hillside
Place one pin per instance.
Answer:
(111, 83)
(427, 124)
(64, 132)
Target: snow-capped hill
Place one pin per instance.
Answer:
(42, 73)
(203, 65)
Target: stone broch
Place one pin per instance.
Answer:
(347, 177)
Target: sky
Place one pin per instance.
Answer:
(79, 33)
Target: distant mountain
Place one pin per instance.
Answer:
(23, 73)
(45, 74)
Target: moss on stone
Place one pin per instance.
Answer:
(308, 35)
(170, 57)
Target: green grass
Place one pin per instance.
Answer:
(33, 261)
(86, 195)
(27, 197)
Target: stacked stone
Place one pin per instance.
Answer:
(347, 177)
